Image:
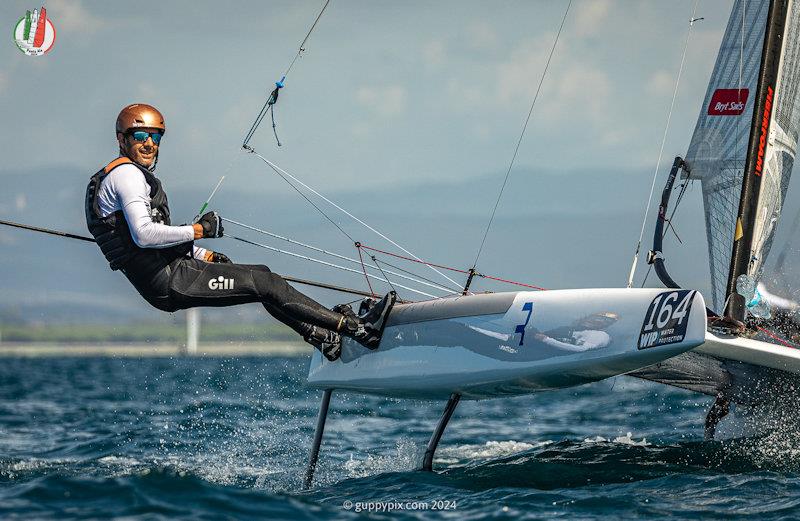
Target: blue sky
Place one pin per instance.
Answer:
(423, 100)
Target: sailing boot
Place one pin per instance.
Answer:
(366, 304)
(328, 342)
(345, 310)
(367, 329)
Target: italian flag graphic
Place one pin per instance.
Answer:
(35, 34)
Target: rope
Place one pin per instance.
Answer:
(89, 239)
(466, 272)
(692, 20)
(300, 47)
(776, 337)
(375, 261)
(521, 135)
(453, 291)
(511, 282)
(285, 175)
(269, 105)
(324, 263)
(423, 280)
(364, 268)
(415, 260)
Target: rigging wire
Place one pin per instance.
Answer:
(692, 20)
(465, 272)
(269, 105)
(521, 135)
(286, 176)
(398, 268)
(375, 261)
(419, 279)
(324, 263)
(83, 238)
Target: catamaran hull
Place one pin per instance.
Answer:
(744, 370)
(503, 344)
(750, 351)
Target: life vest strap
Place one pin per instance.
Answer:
(115, 163)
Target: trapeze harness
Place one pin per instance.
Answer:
(166, 274)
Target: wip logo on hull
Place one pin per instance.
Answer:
(728, 102)
(666, 319)
(220, 283)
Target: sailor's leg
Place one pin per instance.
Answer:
(718, 411)
(328, 342)
(196, 283)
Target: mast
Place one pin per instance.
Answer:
(759, 135)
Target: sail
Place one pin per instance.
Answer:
(727, 129)
(718, 148)
(780, 146)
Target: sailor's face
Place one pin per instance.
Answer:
(142, 152)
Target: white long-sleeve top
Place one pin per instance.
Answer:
(126, 189)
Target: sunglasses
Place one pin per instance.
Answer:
(141, 135)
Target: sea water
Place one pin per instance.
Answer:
(216, 438)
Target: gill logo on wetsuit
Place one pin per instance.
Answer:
(220, 283)
(521, 327)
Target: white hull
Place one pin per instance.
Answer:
(755, 352)
(474, 345)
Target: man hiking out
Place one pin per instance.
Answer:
(128, 215)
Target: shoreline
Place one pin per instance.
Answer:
(166, 349)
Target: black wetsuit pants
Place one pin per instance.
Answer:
(187, 283)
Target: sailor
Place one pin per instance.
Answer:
(128, 214)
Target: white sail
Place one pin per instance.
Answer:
(718, 148)
(780, 144)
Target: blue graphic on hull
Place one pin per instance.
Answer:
(521, 327)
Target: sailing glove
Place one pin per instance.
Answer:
(211, 224)
(219, 257)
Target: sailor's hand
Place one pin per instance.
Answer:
(218, 257)
(208, 227)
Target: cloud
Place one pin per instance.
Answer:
(464, 96)
(361, 130)
(20, 202)
(72, 16)
(573, 85)
(661, 83)
(434, 53)
(519, 74)
(579, 90)
(482, 36)
(591, 17)
(146, 91)
(384, 101)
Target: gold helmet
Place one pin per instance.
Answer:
(140, 115)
